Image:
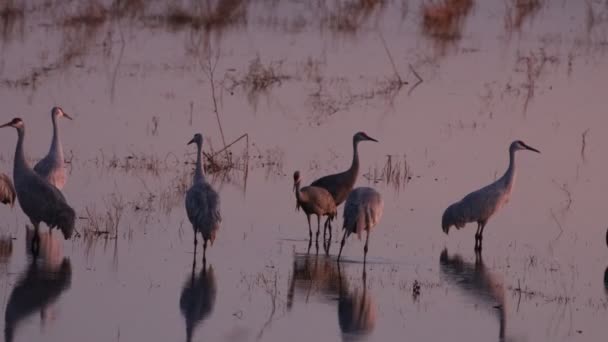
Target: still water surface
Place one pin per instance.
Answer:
(299, 79)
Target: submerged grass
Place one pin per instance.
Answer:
(395, 172)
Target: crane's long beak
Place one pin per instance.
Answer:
(190, 142)
(6, 124)
(372, 139)
(67, 116)
(532, 148)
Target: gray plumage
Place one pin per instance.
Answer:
(314, 201)
(202, 202)
(362, 212)
(52, 167)
(480, 205)
(7, 190)
(198, 299)
(340, 185)
(39, 200)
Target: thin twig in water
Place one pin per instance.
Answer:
(565, 189)
(584, 145)
(209, 70)
(559, 225)
(420, 80)
(390, 58)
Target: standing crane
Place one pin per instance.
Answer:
(480, 205)
(362, 211)
(341, 184)
(39, 200)
(7, 190)
(314, 200)
(202, 202)
(52, 167)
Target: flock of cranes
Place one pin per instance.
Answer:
(38, 191)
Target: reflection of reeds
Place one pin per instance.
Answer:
(442, 21)
(533, 65)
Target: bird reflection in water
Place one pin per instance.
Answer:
(6, 249)
(356, 312)
(315, 275)
(320, 277)
(198, 298)
(478, 282)
(44, 280)
(606, 280)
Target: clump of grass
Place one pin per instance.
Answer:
(10, 15)
(518, 11)
(258, 79)
(395, 172)
(224, 14)
(128, 8)
(350, 16)
(93, 14)
(442, 21)
(104, 224)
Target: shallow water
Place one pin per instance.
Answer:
(138, 84)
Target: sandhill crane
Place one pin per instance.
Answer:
(202, 202)
(7, 190)
(477, 282)
(341, 184)
(198, 298)
(362, 211)
(39, 200)
(314, 200)
(51, 167)
(44, 280)
(480, 205)
(357, 311)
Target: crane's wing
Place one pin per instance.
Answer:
(41, 200)
(334, 184)
(44, 167)
(203, 206)
(7, 190)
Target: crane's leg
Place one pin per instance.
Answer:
(477, 236)
(195, 243)
(318, 229)
(204, 252)
(309, 232)
(483, 226)
(35, 239)
(342, 245)
(365, 248)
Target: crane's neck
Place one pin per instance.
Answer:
(354, 167)
(20, 163)
(198, 170)
(56, 150)
(509, 176)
